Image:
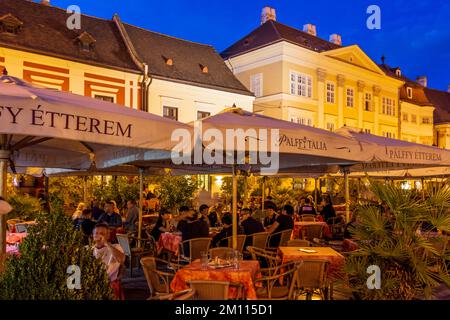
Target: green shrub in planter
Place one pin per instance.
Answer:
(40, 272)
(24, 207)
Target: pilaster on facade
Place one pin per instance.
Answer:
(361, 85)
(340, 79)
(321, 76)
(376, 107)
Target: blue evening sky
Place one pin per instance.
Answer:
(414, 35)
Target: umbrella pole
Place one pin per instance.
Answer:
(234, 208)
(263, 193)
(315, 193)
(141, 202)
(347, 196)
(4, 159)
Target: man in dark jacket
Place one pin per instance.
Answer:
(250, 225)
(227, 231)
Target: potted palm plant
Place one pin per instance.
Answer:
(405, 238)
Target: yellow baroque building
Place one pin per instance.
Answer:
(297, 76)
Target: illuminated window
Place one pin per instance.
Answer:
(301, 85)
(330, 92)
(350, 97)
(104, 98)
(409, 92)
(388, 106)
(202, 114)
(170, 112)
(330, 126)
(368, 102)
(256, 84)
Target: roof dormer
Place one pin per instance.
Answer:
(204, 68)
(10, 24)
(86, 41)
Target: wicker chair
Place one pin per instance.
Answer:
(259, 240)
(310, 232)
(196, 247)
(311, 277)
(284, 235)
(132, 253)
(298, 243)
(188, 294)
(266, 258)
(240, 242)
(276, 283)
(210, 290)
(220, 252)
(158, 281)
(307, 218)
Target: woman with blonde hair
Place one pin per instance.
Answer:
(79, 211)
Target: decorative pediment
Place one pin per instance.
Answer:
(86, 40)
(10, 24)
(355, 56)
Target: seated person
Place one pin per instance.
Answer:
(227, 231)
(214, 216)
(250, 225)
(132, 216)
(307, 208)
(110, 217)
(192, 228)
(284, 222)
(182, 218)
(162, 224)
(112, 256)
(203, 210)
(87, 225)
(327, 209)
(96, 210)
(271, 215)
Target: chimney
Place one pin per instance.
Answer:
(45, 2)
(422, 80)
(336, 39)
(268, 13)
(310, 28)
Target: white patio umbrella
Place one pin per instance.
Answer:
(42, 127)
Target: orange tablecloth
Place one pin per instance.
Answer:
(169, 241)
(323, 253)
(298, 226)
(13, 238)
(245, 275)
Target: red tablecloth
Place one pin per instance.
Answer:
(13, 238)
(298, 226)
(245, 275)
(335, 259)
(169, 241)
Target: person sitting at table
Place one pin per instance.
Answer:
(192, 228)
(250, 225)
(97, 211)
(87, 225)
(327, 209)
(271, 215)
(284, 222)
(162, 224)
(79, 211)
(215, 215)
(307, 208)
(111, 255)
(227, 231)
(203, 210)
(182, 218)
(110, 217)
(132, 216)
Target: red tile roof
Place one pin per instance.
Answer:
(272, 32)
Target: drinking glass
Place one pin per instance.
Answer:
(204, 260)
